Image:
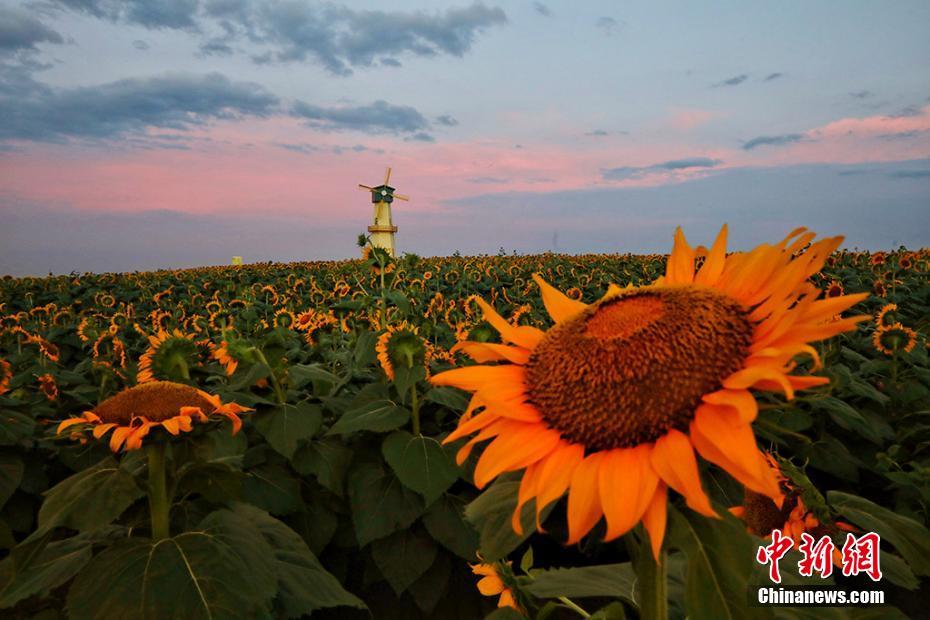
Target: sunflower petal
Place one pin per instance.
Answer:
(716, 260)
(559, 306)
(520, 446)
(680, 267)
(655, 517)
(626, 483)
(523, 335)
(673, 459)
(584, 504)
(483, 352)
(722, 438)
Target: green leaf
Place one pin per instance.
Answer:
(452, 398)
(273, 488)
(215, 481)
(89, 499)
(195, 575)
(378, 416)
(420, 463)
(720, 560)
(303, 584)
(406, 378)
(491, 514)
(14, 427)
(328, 460)
(403, 557)
(11, 474)
(446, 522)
(380, 504)
(365, 353)
(285, 426)
(910, 538)
(302, 374)
(432, 585)
(607, 580)
(54, 565)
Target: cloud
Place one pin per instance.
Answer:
(377, 117)
(736, 80)
(446, 121)
(487, 180)
(19, 30)
(309, 149)
(139, 44)
(607, 25)
(597, 133)
(390, 62)
(542, 9)
(910, 174)
(420, 136)
(773, 76)
(153, 14)
(129, 106)
(862, 94)
(625, 173)
(772, 140)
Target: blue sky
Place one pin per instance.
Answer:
(596, 126)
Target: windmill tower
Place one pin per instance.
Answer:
(382, 229)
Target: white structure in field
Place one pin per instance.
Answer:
(382, 228)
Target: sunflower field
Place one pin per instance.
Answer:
(548, 436)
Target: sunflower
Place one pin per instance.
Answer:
(168, 353)
(223, 355)
(574, 293)
(401, 345)
(135, 411)
(611, 403)
(894, 337)
(887, 315)
(48, 386)
(835, 289)
(792, 518)
(492, 584)
(6, 374)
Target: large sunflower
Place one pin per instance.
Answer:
(611, 403)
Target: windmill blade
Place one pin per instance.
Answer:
(387, 177)
(400, 197)
(370, 189)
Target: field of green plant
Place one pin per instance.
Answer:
(338, 497)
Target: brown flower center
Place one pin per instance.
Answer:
(629, 368)
(761, 515)
(156, 400)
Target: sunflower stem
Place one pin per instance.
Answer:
(158, 492)
(414, 399)
(278, 392)
(653, 574)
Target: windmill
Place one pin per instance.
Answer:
(382, 229)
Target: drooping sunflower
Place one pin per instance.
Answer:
(168, 354)
(134, 412)
(492, 584)
(611, 403)
(6, 374)
(792, 517)
(887, 315)
(401, 345)
(894, 337)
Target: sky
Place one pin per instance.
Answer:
(145, 134)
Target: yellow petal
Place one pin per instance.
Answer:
(673, 459)
(654, 519)
(559, 306)
(584, 504)
(626, 484)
